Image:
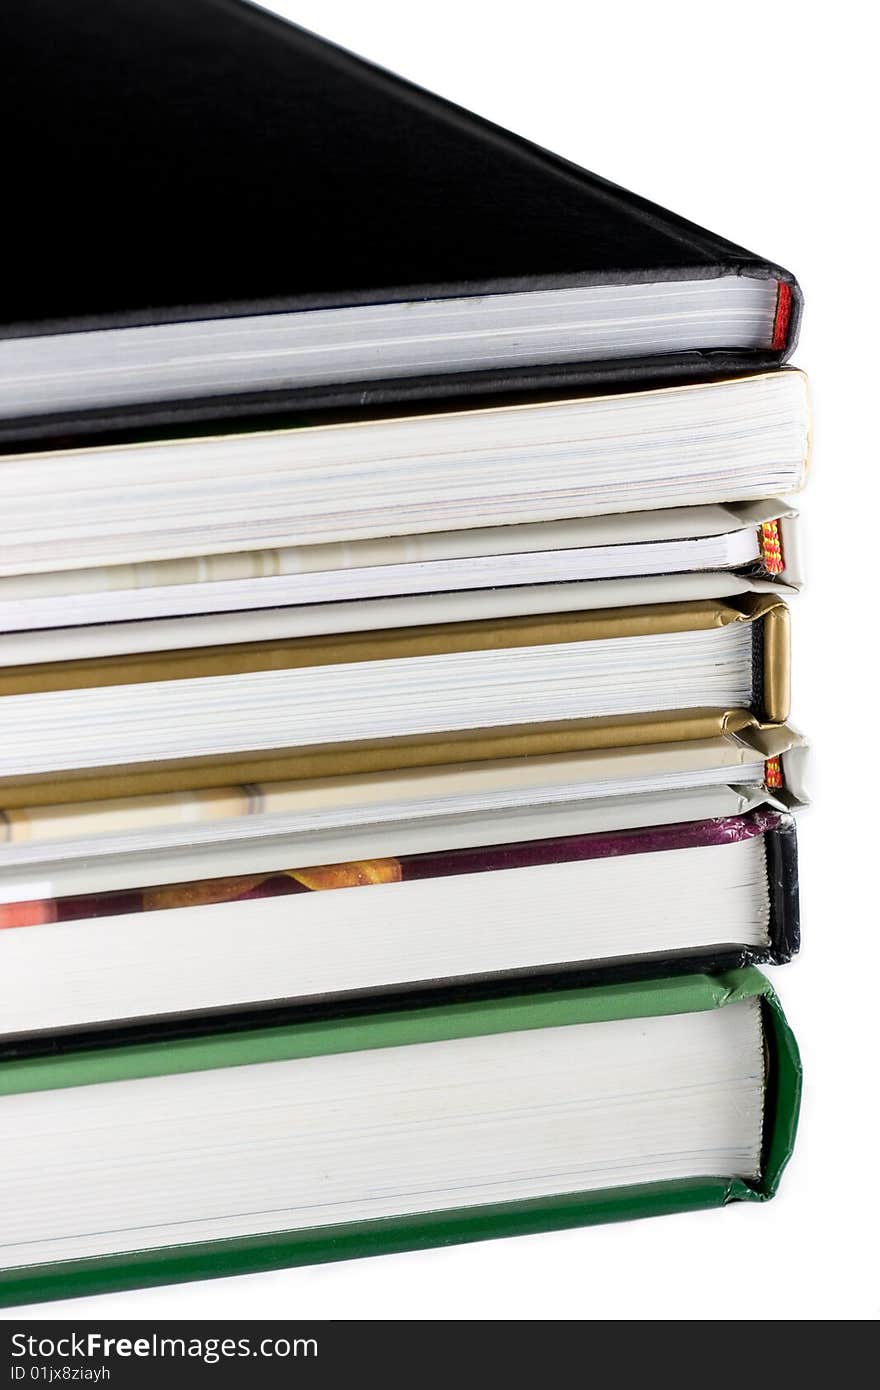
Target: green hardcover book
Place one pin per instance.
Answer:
(238, 1152)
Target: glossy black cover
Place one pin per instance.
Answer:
(202, 158)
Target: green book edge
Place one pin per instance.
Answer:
(244, 1255)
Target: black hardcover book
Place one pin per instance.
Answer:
(175, 960)
(252, 221)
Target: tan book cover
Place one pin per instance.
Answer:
(770, 705)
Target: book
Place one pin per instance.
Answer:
(333, 484)
(406, 519)
(394, 1131)
(597, 562)
(334, 705)
(119, 842)
(378, 244)
(699, 895)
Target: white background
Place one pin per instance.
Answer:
(759, 121)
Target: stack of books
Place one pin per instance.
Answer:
(402, 516)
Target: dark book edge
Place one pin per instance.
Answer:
(782, 881)
(758, 707)
(359, 400)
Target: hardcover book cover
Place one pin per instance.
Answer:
(369, 191)
(278, 1249)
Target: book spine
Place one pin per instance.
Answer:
(782, 882)
(771, 664)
